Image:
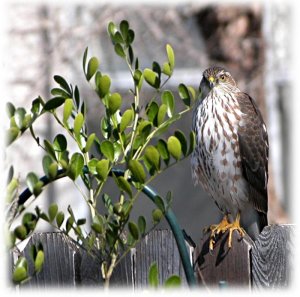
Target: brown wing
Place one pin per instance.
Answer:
(254, 150)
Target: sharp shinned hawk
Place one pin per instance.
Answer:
(230, 159)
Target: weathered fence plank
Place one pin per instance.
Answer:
(159, 246)
(61, 264)
(263, 263)
(270, 257)
(223, 265)
(67, 264)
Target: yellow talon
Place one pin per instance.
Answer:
(222, 227)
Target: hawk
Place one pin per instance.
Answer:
(230, 159)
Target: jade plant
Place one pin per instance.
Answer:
(132, 139)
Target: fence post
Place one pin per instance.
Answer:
(67, 264)
(62, 261)
(271, 254)
(224, 266)
(260, 264)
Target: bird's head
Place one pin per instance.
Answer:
(216, 78)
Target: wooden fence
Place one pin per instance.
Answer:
(260, 264)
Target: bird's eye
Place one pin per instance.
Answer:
(222, 77)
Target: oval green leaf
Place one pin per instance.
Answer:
(161, 114)
(19, 274)
(60, 219)
(52, 170)
(173, 281)
(171, 56)
(31, 181)
(174, 147)
(62, 82)
(153, 275)
(152, 156)
(114, 102)
(54, 103)
(157, 215)
(92, 68)
(130, 36)
(39, 261)
(89, 142)
(103, 85)
(124, 27)
(75, 166)
(20, 232)
(181, 137)
(163, 150)
(52, 211)
(46, 163)
(10, 109)
(107, 149)
(68, 107)
(111, 28)
(19, 117)
(192, 92)
(168, 99)
(151, 78)
(102, 169)
(97, 224)
(124, 185)
(57, 92)
(60, 143)
(142, 224)
(138, 78)
(159, 202)
(119, 50)
(184, 94)
(84, 59)
(133, 229)
(92, 165)
(126, 119)
(49, 148)
(78, 123)
(152, 110)
(137, 171)
(11, 135)
(166, 69)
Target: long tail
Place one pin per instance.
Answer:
(254, 222)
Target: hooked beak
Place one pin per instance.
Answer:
(212, 81)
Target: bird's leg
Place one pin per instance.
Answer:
(222, 227)
(235, 226)
(216, 229)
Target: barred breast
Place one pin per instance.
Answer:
(216, 162)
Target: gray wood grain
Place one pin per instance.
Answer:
(132, 272)
(90, 269)
(264, 263)
(62, 260)
(271, 254)
(223, 266)
(159, 246)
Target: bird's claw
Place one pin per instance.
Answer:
(222, 227)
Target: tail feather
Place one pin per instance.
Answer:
(254, 222)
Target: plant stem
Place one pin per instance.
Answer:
(110, 270)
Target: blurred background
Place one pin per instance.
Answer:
(250, 40)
